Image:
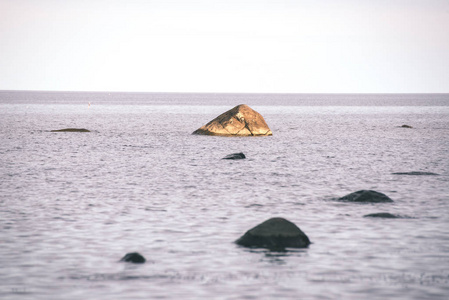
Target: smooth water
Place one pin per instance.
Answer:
(72, 204)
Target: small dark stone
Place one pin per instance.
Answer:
(382, 215)
(366, 196)
(416, 173)
(275, 234)
(71, 130)
(133, 257)
(406, 126)
(235, 156)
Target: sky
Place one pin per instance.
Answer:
(219, 46)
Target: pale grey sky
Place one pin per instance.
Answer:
(302, 46)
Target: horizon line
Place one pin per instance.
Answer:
(262, 93)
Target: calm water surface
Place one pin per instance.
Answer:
(72, 204)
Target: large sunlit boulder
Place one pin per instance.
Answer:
(242, 120)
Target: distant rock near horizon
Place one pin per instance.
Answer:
(241, 120)
(382, 215)
(239, 155)
(275, 234)
(416, 173)
(71, 130)
(366, 196)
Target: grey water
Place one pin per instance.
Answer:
(72, 204)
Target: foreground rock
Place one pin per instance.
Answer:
(71, 130)
(133, 257)
(416, 173)
(239, 121)
(235, 156)
(274, 234)
(366, 196)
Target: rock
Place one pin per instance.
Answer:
(387, 216)
(366, 196)
(71, 130)
(239, 121)
(274, 234)
(406, 126)
(133, 257)
(416, 173)
(382, 215)
(235, 156)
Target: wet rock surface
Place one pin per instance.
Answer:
(366, 196)
(241, 120)
(274, 234)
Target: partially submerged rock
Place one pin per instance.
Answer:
(71, 130)
(133, 257)
(382, 215)
(235, 156)
(239, 121)
(416, 173)
(366, 196)
(274, 234)
(406, 126)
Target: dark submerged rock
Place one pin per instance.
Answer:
(366, 196)
(235, 156)
(133, 257)
(274, 234)
(71, 130)
(416, 173)
(382, 215)
(241, 120)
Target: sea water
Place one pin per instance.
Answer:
(72, 204)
